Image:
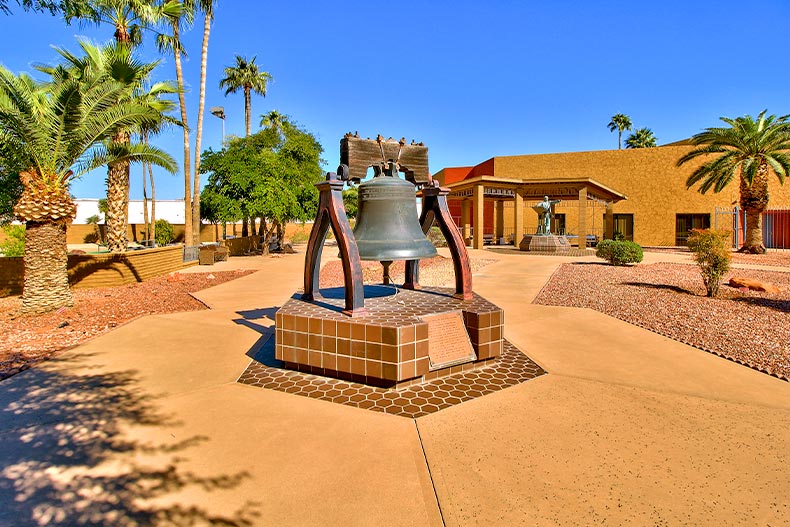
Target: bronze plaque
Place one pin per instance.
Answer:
(448, 341)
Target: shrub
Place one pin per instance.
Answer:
(15, 242)
(618, 252)
(436, 237)
(164, 232)
(712, 254)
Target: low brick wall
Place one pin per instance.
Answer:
(242, 246)
(103, 270)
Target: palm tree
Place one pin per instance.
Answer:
(273, 120)
(749, 149)
(63, 126)
(172, 43)
(641, 138)
(619, 122)
(129, 18)
(153, 99)
(207, 7)
(118, 62)
(245, 75)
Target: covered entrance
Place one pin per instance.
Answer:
(474, 193)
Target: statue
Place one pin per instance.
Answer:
(543, 208)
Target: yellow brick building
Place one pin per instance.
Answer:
(640, 193)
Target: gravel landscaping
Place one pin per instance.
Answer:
(749, 327)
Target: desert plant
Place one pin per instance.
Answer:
(14, 245)
(712, 254)
(436, 237)
(164, 232)
(619, 252)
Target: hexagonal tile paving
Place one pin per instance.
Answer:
(511, 368)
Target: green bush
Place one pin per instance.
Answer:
(436, 237)
(15, 240)
(164, 232)
(619, 252)
(712, 254)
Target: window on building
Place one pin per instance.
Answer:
(558, 224)
(624, 224)
(685, 222)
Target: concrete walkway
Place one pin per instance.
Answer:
(147, 426)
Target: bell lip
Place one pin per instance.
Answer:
(394, 255)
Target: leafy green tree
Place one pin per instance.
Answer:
(245, 76)
(54, 7)
(14, 245)
(61, 127)
(749, 150)
(351, 201)
(641, 138)
(11, 164)
(264, 176)
(619, 122)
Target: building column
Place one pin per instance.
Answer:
(518, 218)
(477, 240)
(466, 220)
(609, 221)
(499, 220)
(582, 233)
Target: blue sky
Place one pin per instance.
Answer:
(470, 79)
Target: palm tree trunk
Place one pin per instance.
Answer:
(117, 198)
(247, 109)
(754, 201)
(147, 226)
(153, 203)
(199, 132)
(187, 170)
(46, 268)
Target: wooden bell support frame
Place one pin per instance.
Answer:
(356, 156)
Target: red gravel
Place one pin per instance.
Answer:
(26, 340)
(436, 271)
(749, 327)
(773, 258)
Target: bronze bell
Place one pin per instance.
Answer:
(387, 226)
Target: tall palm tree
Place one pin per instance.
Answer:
(207, 7)
(62, 126)
(129, 18)
(619, 122)
(246, 76)
(172, 43)
(641, 138)
(152, 98)
(750, 150)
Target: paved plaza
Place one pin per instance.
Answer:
(614, 425)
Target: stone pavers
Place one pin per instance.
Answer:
(509, 369)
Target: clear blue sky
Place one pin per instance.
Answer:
(471, 79)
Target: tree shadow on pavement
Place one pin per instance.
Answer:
(68, 456)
